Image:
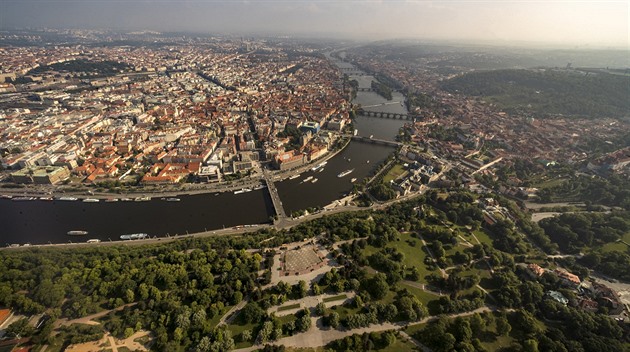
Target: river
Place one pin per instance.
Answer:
(41, 222)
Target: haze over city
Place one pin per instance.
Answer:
(573, 23)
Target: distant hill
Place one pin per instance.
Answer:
(567, 92)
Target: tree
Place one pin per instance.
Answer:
(251, 313)
(333, 320)
(477, 324)
(503, 326)
(303, 323)
(462, 329)
(377, 286)
(246, 336)
(320, 309)
(530, 345)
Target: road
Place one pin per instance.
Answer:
(319, 336)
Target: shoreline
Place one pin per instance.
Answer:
(168, 190)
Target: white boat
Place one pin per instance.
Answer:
(314, 180)
(91, 200)
(173, 199)
(257, 188)
(367, 162)
(21, 199)
(353, 180)
(126, 200)
(294, 177)
(6, 196)
(68, 198)
(48, 199)
(134, 236)
(77, 233)
(319, 166)
(244, 190)
(110, 200)
(142, 199)
(93, 240)
(307, 179)
(345, 173)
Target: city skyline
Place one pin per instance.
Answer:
(586, 24)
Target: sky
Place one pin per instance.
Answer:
(579, 23)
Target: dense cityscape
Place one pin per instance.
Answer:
(403, 195)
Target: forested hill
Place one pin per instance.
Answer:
(549, 92)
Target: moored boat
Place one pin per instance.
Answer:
(91, 200)
(70, 199)
(77, 233)
(93, 240)
(134, 236)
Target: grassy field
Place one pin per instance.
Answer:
(396, 171)
(413, 250)
(237, 328)
(422, 295)
(399, 346)
(617, 246)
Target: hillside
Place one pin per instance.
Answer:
(548, 91)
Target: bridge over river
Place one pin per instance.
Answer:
(388, 115)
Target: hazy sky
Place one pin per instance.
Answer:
(584, 23)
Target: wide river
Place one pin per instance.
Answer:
(41, 222)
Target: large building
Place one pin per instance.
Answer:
(42, 175)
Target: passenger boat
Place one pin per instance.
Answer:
(173, 199)
(71, 199)
(77, 233)
(314, 180)
(91, 200)
(93, 240)
(345, 173)
(294, 177)
(134, 236)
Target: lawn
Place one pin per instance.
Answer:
(424, 296)
(414, 254)
(335, 298)
(291, 306)
(617, 246)
(399, 346)
(237, 329)
(343, 311)
(396, 171)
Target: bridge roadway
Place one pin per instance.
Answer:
(275, 197)
(387, 115)
(376, 141)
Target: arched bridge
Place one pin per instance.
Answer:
(387, 115)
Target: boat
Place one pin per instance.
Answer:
(314, 180)
(77, 233)
(21, 199)
(46, 198)
(319, 166)
(91, 200)
(353, 180)
(93, 240)
(367, 162)
(371, 136)
(142, 199)
(244, 190)
(134, 236)
(257, 188)
(355, 132)
(294, 177)
(349, 160)
(6, 196)
(173, 199)
(216, 194)
(307, 179)
(70, 199)
(110, 200)
(126, 200)
(345, 173)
